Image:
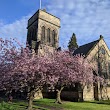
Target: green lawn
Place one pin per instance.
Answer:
(95, 105)
(48, 104)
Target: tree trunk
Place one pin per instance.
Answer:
(58, 98)
(31, 98)
(30, 103)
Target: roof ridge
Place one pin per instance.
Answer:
(89, 43)
(86, 48)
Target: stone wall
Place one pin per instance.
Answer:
(88, 93)
(103, 93)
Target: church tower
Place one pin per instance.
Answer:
(43, 32)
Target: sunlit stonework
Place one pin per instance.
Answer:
(43, 32)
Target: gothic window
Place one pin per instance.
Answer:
(29, 37)
(103, 66)
(48, 35)
(53, 37)
(102, 51)
(31, 34)
(34, 34)
(43, 34)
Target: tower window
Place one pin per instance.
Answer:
(43, 34)
(32, 34)
(35, 34)
(29, 37)
(48, 35)
(53, 37)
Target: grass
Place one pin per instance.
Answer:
(93, 105)
(48, 104)
(17, 105)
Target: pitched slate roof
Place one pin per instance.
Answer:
(84, 49)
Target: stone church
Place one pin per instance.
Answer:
(43, 37)
(97, 51)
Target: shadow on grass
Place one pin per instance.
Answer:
(105, 102)
(19, 104)
(48, 103)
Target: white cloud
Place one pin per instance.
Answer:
(87, 18)
(16, 29)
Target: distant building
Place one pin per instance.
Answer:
(43, 37)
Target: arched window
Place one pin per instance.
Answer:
(32, 34)
(35, 33)
(53, 37)
(29, 37)
(48, 35)
(43, 34)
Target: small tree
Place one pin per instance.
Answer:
(72, 45)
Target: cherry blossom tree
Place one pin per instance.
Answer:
(30, 73)
(20, 69)
(69, 70)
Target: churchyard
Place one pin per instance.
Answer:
(41, 67)
(48, 104)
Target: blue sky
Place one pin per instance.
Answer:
(86, 18)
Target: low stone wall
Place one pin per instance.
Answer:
(65, 95)
(69, 95)
(51, 95)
